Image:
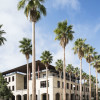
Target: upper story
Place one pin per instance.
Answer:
(17, 78)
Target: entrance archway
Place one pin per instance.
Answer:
(44, 96)
(67, 96)
(57, 96)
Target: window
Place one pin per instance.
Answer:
(58, 84)
(82, 88)
(71, 86)
(43, 84)
(77, 87)
(62, 84)
(67, 85)
(13, 78)
(9, 79)
(44, 75)
(12, 88)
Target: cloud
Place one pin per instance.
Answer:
(74, 4)
(16, 27)
(97, 28)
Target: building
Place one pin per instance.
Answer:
(17, 83)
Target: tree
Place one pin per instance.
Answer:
(5, 93)
(64, 34)
(46, 60)
(2, 39)
(26, 49)
(89, 58)
(96, 65)
(79, 48)
(84, 76)
(93, 79)
(69, 70)
(76, 72)
(59, 68)
(33, 9)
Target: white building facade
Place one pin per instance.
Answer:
(17, 83)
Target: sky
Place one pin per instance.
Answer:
(82, 14)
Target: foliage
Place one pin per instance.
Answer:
(76, 72)
(69, 69)
(2, 39)
(5, 93)
(59, 65)
(33, 8)
(26, 47)
(79, 47)
(46, 58)
(64, 33)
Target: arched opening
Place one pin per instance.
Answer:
(72, 97)
(25, 96)
(44, 96)
(67, 96)
(57, 96)
(18, 97)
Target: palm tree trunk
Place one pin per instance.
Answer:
(75, 88)
(89, 81)
(64, 75)
(70, 89)
(33, 63)
(47, 81)
(84, 89)
(81, 79)
(27, 80)
(60, 84)
(96, 85)
(94, 91)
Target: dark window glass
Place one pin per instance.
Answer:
(13, 78)
(62, 84)
(9, 79)
(77, 87)
(71, 86)
(12, 88)
(82, 88)
(44, 75)
(67, 85)
(43, 84)
(6, 79)
(58, 84)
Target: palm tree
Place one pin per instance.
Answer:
(26, 49)
(89, 58)
(69, 70)
(96, 65)
(79, 49)
(93, 79)
(33, 9)
(64, 34)
(84, 76)
(46, 60)
(76, 72)
(2, 39)
(59, 68)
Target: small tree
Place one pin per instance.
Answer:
(5, 93)
(59, 67)
(69, 70)
(46, 60)
(2, 39)
(26, 49)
